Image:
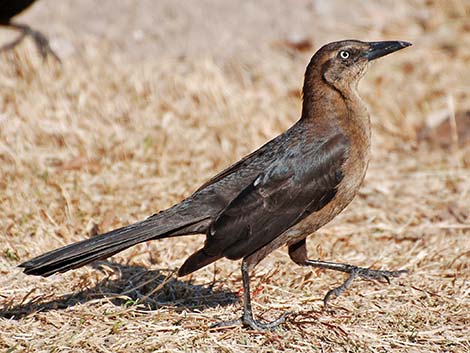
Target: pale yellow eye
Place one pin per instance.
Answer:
(344, 54)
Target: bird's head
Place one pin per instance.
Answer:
(342, 64)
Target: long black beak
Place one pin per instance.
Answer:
(379, 49)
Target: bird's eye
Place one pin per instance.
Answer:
(344, 54)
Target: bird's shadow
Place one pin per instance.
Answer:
(134, 285)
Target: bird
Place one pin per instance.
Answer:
(275, 196)
(11, 8)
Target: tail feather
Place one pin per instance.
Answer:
(104, 245)
(196, 261)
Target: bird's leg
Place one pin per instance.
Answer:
(298, 253)
(247, 319)
(41, 41)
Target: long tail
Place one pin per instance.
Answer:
(163, 225)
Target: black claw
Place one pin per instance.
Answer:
(328, 295)
(42, 44)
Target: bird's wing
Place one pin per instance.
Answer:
(301, 182)
(264, 151)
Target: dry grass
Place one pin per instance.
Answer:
(105, 141)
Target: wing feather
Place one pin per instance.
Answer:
(303, 181)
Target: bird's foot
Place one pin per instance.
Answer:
(247, 320)
(361, 272)
(42, 44)
(40, 40)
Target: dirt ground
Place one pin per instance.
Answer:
(153, 98)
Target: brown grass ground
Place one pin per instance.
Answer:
(120, 131)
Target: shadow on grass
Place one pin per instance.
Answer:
(135, 285)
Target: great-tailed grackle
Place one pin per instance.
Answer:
(11, 8)
(277, 195)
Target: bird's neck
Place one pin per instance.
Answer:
(324, 104)
(320, 100)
